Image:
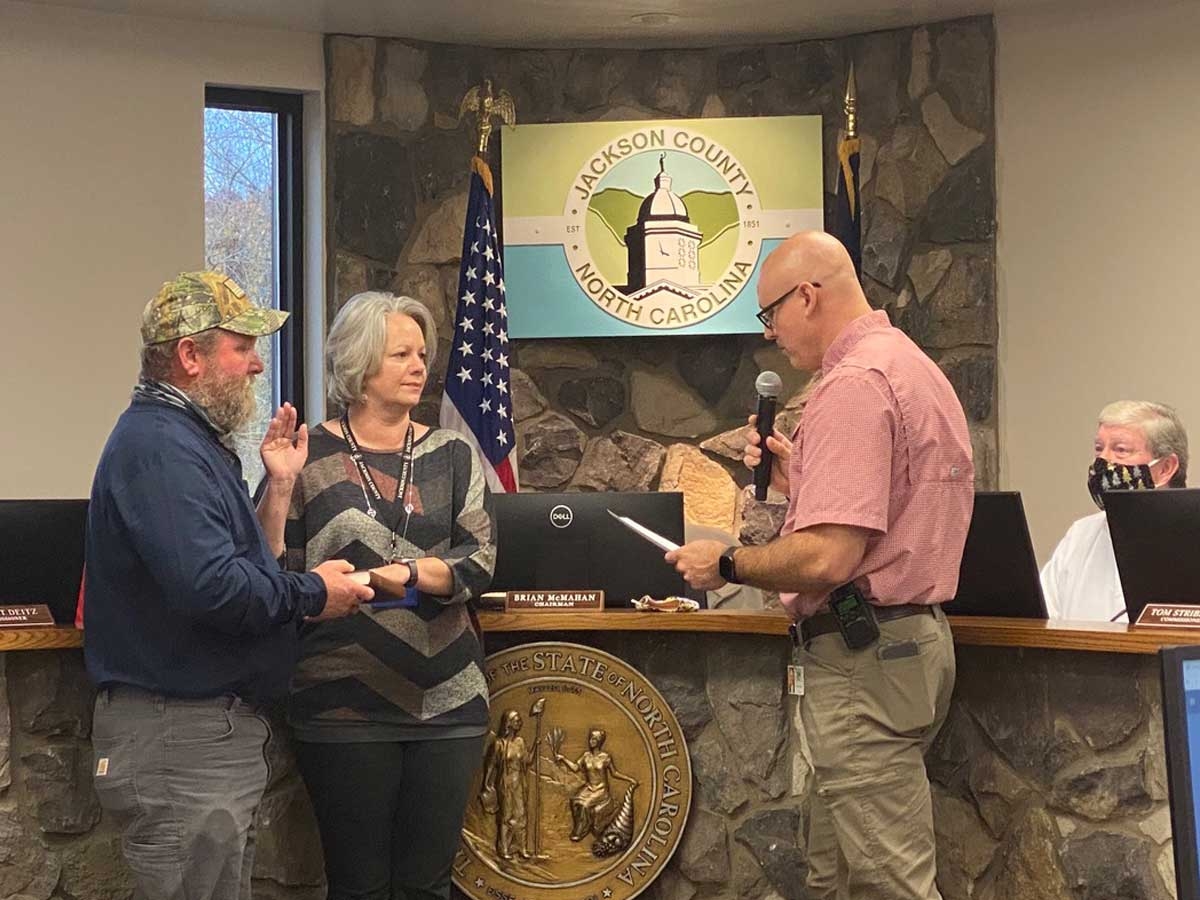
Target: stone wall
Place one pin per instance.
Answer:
(727, 692)
(656, 412)
(1049, 778)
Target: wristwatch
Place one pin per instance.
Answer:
(412, 572)
(726, 566)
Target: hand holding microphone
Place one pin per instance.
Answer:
(767, 450)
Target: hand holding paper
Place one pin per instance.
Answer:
(643, 532)
(698, 563)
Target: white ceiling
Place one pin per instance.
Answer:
(573, 23)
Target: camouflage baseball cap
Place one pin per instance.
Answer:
(197, 301)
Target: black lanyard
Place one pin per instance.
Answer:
(402, 483)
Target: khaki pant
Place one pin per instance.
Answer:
(869, 716)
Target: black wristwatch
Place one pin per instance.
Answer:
(726, 566)
(412, 572)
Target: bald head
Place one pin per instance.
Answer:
(811, 256)
(824, 295)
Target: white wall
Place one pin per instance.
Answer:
(1098, 127)
(101, 163)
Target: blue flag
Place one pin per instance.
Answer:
(847, 214)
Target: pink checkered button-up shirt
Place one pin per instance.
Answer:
(883, 445)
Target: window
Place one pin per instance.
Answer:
(253, 231)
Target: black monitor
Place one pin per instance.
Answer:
(999, 573)
(569, 541)
(1155, 535)
(1181, 724)
(43, 554)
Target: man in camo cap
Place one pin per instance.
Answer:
(198, 301)
(201, 305)
(191, 624)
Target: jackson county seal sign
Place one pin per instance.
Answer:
(585, 785)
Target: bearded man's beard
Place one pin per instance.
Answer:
(228, 400)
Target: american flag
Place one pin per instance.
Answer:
(478, 400)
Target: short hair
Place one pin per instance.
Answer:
(157, 359)
(358, 336)
(1160, 423)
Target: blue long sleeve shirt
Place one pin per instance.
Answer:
(183, 596)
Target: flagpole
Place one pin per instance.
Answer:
(477, 401)
(850, 105)
(847, 225)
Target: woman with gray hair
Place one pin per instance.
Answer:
(389, 708)
(1139, 446)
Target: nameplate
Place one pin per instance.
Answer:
(552, 600)
(34, 615)
(1170, 615)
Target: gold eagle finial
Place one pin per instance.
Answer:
(850, 105)
(480, 101)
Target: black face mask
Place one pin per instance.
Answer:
(1111, 476)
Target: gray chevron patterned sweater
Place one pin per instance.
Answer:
(403, 673)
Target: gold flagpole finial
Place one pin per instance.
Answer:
(850, 103)
(480, 101)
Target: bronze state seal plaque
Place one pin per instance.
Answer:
(585, 784)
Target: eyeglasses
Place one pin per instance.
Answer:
(766, 315)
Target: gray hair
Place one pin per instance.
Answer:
(158, 359)
(358, 336)
(1160, 423)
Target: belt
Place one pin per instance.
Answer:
(827, 623)
(114, 690)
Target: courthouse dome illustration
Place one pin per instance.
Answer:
(663, 203)
(663, 245)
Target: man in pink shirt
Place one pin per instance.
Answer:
(880, 486)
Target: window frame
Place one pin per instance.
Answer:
(289, 238)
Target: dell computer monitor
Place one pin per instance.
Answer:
(1154, 536)
(1181, 722)
(43, 554)
(999, 573)
(569, 542)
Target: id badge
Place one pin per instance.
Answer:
(795, 675)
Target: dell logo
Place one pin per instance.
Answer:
(561, 516)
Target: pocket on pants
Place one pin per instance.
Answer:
(905, 688)
(113, 775)
(827, 652)
(196, 726)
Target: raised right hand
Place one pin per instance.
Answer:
(284, 448)
(778, 444)
(342, 594)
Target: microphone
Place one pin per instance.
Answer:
(768, 385)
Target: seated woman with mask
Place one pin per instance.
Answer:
(1139, 446)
